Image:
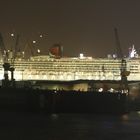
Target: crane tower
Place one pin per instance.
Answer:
(124, 73)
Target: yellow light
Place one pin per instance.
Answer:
(38, 50)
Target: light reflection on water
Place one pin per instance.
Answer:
(70, 126)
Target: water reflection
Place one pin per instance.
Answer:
(125, 117)
(70, 126)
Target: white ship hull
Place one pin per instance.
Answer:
(65, 69)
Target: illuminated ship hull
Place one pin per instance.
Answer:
(67, 69)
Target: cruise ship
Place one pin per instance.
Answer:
(55, 66)
(66, 83)
(46, 67)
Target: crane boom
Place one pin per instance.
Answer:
(2, 46)
(118, 46)
(16, 46)
(123, 72)
(3, 54)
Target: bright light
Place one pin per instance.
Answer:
(111, 90)
(100, 90)
(81, 55)
(12, 34)
(41, 36)
(38, 50)
(132, 52)
(114, 56)
(34, 41)
(61, 77)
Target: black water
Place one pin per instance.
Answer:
(31, 126)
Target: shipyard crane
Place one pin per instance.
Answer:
(2, 47)
(30, 48)
(6, 64)
(124, 72)
(14, 55)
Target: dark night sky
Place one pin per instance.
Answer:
(80, 25)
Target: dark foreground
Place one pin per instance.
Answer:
(39, 115)
(30, 126)
(50, 101)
